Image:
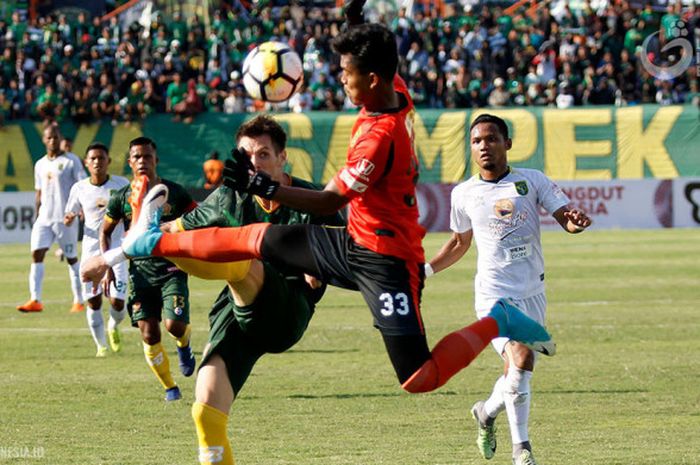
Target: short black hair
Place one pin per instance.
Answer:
(142, 141)
(487, 118)
(262, 125)
(97, 146)
(372, 47)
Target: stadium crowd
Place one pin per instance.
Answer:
(88, 69)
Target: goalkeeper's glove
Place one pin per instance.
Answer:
(240, 175)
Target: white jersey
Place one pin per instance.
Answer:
(93, 200)
(54, 178)
(506, 227)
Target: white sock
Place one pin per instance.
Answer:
(36, 279)
(495, 404)
(517, 400)
(75, 284)
(97, 326)
(115, 317)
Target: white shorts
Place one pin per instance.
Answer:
(45, 234)
(117, 289)
(535, 307)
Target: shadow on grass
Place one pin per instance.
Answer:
(595, 391)
(363, 395)
(321, 351)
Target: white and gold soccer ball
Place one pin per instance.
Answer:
(272, 72)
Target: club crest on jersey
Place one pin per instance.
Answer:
(521, 187)
(504, 208)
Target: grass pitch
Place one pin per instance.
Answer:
(623, 389)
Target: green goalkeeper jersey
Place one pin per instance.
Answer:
(150, 271)
(225, 208)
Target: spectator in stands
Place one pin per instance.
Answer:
(440, 51)
(499, 96)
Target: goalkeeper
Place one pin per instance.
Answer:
(263, 309)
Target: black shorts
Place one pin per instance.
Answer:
(391, 286)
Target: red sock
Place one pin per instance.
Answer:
(214, 244)
(453, 353)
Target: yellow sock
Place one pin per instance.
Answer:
(184, 340)
(157, 359)
(210, 423)
(229, 271)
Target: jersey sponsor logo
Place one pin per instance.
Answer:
(362, 169)
(352, 182)
(521, 187)
(503, 208)
(101, 203)
(518, 252)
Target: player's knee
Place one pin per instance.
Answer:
(118, 305)
(175, 328)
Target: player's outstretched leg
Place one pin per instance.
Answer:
(145, 232)
(515, 325)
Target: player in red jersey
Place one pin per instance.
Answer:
(380, 252)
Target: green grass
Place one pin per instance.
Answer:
(623, 389)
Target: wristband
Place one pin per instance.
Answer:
(114, 256)
(428, 269)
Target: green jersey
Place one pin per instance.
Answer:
(285, 304)
(224, 208)
(150, 271)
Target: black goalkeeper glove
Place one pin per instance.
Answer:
(353, 12)
(240, 176)
(237, 171)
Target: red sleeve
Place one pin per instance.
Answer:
(367, 160)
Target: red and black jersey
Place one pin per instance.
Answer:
(379, 178)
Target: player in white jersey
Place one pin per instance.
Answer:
(91, 196)
(54, 175)
(499, 209)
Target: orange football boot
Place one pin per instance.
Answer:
(77, 308)
(31, 306)
(139, 189)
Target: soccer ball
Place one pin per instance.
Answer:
(272, 72)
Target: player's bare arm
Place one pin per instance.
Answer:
(450, 253)
(325, 202)
(37, 203)
(572, 220)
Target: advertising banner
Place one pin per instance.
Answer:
(615, 204)
(16, 216)
(591, 143)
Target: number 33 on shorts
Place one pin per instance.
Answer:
(394, 303)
